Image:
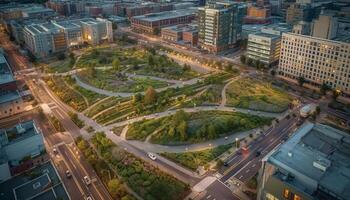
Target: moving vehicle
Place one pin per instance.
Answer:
(307, 110)
(152, 156)
(87, 180)
(68, 174)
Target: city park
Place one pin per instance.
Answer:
(142, 95)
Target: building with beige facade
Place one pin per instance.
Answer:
(317, 60)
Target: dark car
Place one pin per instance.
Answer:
(257, 154)
(225, 164)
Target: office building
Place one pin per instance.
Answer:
(313, 164)
(326, 26)
(42, 40)
(21, 148)
(146, 8)
(11, 101)
(67, 8)
(302, 27)
(258, 14)
(56, 36)
(220, 25)
(318, 60)
(183, 34)
(299, 12)
(153, 23)
(264, 47)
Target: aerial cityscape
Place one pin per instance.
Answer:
(174, 100)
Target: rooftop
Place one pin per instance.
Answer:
(9, 97)
(165, 15)
(6, 75)
(25, 187)
(320, 153)
(266, 35)
(183, 28)
(17, 133)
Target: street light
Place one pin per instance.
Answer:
(236, 142)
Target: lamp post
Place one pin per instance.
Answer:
(236, 142)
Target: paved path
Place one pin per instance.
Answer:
(223, 92)
(129, 94)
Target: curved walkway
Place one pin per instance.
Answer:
(129, 94)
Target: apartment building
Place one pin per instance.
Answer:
(11, 101)
(21, 148)
(220, 25)
(313, 164)
(318, 60)
(153, 23)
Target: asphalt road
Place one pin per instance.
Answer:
(245, 165)
(76, 189)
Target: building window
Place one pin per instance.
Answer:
(270, 197)
(286, 193)
(296, 197)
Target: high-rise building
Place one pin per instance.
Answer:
(313, 164)
(317, 60)
(325, 26)
(220, 25)
(299, 12)
(302, 27)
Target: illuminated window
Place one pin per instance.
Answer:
(296, 197)
(270, 197)
(286, 193)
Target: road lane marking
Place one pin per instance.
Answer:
(247, 171)
(208, 196)
(240, 177)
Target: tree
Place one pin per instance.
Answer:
(114, 187)
(243, 59)
(318, 110)
(211, 131)
(150, 96)
(219, 164)
(151, 60)
(61, 56)
(116, 64)
(273, 72)
(249, 62)
(324, 88)
(137, 98)
(301, 81)
(336, 94)
(182, 129)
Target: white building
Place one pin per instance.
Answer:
(318, 60)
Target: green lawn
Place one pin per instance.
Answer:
(143, 178)
(194, 127)
(256, 95)
(72, 94)
(112, 81)
(193, 160)
(59, 66)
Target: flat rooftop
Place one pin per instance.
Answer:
(6, 75)
(182, 28)
(42, 28)
(267, 35)
(45, 186)
(320, 153)
(17, 133)
(152, 17)
(9, 96)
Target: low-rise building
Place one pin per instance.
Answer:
(21, 148)
(184, 34)
(153, 23)
(67, 7)
(319, 61)
(313, 164)
(56, 36)
(11, 101)
(258, 15)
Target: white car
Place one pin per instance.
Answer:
(152, 156)
(89, 198)
(87, 180)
